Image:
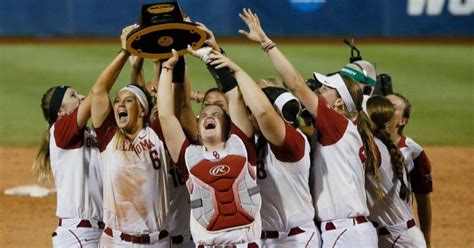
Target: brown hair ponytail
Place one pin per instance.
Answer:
(381, 111)
(364, 127)
(42, 164)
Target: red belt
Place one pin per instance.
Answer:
(356, 220)
(276, 234)
(137, 239)
(85, 223)
(385, 231)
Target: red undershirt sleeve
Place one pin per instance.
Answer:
(420, 176)
(293, 147)
(329, 124)
(66, 133)
(106, 131)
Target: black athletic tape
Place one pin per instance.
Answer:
(178, 72)
(55, 103)
(224, 78)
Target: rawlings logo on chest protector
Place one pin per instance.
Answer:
(219, 170)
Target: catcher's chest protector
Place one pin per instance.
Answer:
(224, 193)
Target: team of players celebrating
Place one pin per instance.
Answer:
(246, 172)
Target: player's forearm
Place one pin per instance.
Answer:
(137, 76)
(423, 202)
(292, 78)
(238, 111)
(165, 94)
(294, 81)
(252, 94)
(172, 130)
(186, 115)
(84, 112)
(109, 75)
(156, 73)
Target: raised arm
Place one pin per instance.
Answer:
(186, 115)
(100, 91)
(84, 111)
(172, 130)
(294, 81)
(237, 110)
(271, 124)
(211, 39)
(137, 76)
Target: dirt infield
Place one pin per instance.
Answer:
(29, 222)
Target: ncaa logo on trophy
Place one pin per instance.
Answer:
(162, 28)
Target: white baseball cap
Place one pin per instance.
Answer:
(335, 81)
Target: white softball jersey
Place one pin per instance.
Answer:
(391, 213)
(179, 210)
(338, 172)
(76, 169)
(132, 182)
(283, 178)
(225, 199)
(418, 165)
(391, 209)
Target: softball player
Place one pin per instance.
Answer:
(418, 164)
(225, 200)
(226, 96)
(283, 165)
(390, 202)
(338, 171)
(69, 151)
(134, 156)
(179, 209)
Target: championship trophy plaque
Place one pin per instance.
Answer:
(162, 28)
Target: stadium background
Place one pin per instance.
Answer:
(425, 45)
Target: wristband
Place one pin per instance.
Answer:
(223, 52)
(166, 68)
(267, 46)
(123, 50)
(224, 78)
(178, 72)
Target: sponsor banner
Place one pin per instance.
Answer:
(297, 18)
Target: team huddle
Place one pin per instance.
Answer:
(265, 163)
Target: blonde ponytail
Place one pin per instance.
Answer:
(42, 164)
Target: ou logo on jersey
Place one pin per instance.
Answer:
(219, 170)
